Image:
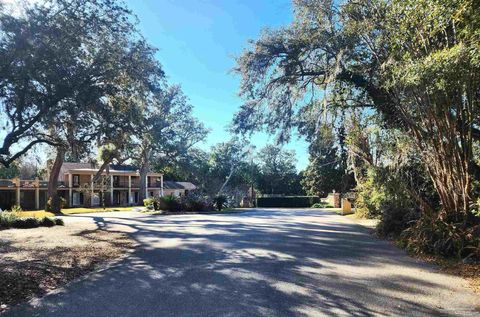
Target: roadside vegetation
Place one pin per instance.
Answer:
(192, 202)
(387, 93)
(12, 220)
(16, 218)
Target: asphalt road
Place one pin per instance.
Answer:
(258, 263)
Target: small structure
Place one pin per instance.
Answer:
(334, 199)
(177, 188)
(346, 206)
(348, 203)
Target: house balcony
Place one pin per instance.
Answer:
(157, 184)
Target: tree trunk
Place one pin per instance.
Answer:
(54, 202)
(226, 181)
(144, 167)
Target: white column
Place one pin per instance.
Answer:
(146, 186)
(111, 190)
(17, 191)
(70, 193)
(91, 190)
(37, 193)
(129, 189)
(161, 184)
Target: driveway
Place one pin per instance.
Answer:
(257, 263)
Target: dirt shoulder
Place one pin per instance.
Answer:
(36, 261)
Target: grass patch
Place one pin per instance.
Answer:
(70, 211)
(34, 214)
(321, 205)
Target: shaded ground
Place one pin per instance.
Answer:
(259, 263)
(35, 261)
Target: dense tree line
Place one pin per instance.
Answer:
(234, 168)
(399, 83)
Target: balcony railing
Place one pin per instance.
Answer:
(27, 183)
(120, 184)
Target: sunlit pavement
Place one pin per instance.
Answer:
(257, 263)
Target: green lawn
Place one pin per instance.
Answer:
(35, 214)
(70, 211)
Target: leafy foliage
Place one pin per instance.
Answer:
(169, 203)
(411, 65)
(9, 219)
(442, 237)
(278, 174)
(220, 202)
(196, 202)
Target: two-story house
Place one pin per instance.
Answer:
(119, 186)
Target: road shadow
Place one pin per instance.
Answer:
(260, 263)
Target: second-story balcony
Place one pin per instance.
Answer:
(154, 184)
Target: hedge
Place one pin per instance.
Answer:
(287, 201)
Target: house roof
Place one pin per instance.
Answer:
(91, 167)
(123, 168)
(187, 185)
(74, 166)
(178, 185)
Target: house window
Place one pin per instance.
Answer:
(76, 180)
(116, 181)
(136, 197)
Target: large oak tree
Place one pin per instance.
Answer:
(416, 63)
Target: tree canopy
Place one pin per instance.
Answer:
(412, 66)
(366, 54)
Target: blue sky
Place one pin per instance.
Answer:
(197, 41)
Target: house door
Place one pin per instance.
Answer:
(75, 199)
(95, 199)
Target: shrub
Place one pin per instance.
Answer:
(169, 203)
(26, 223)
(148, 202)
(59, 221)
(442, 237)
(7, 219)
(195, 202)
(395, 219)
(288, 201)
(220, 202)
(11, 220)
(16, 208)
(47, 222)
